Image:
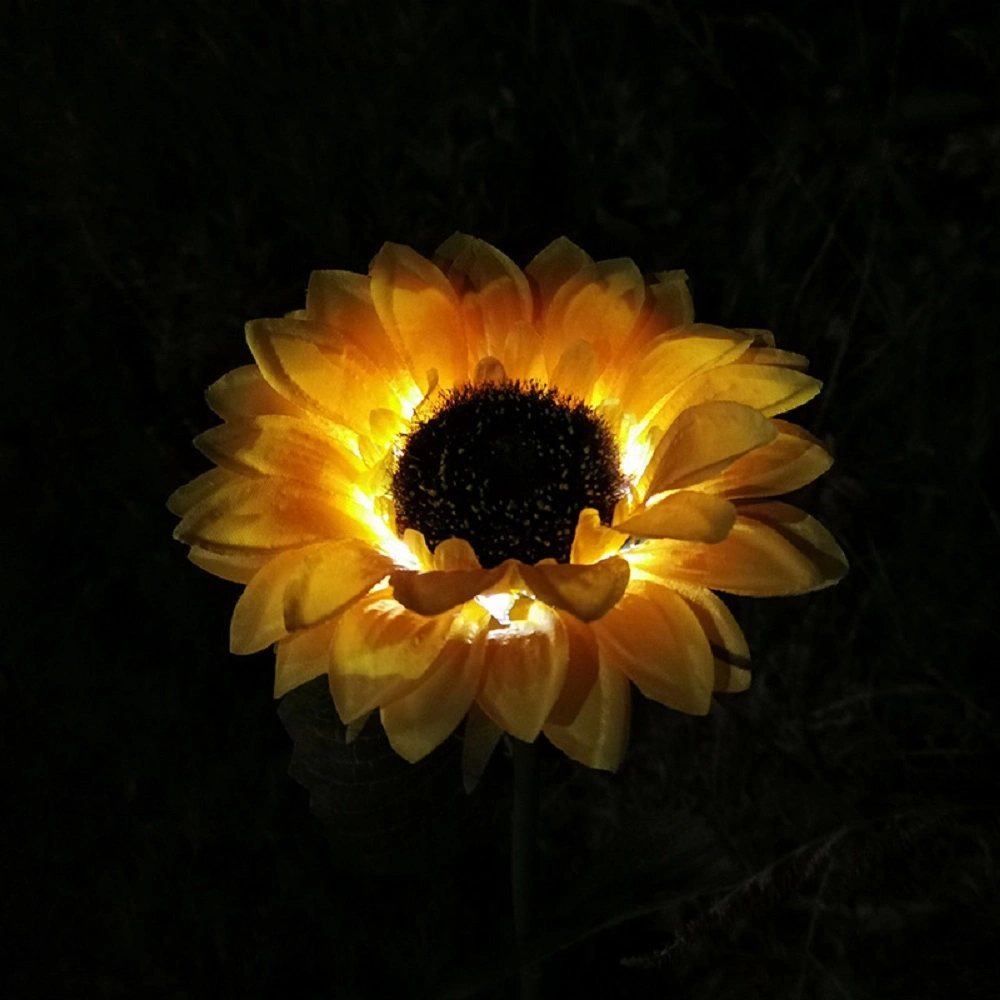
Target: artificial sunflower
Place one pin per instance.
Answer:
(460, 489)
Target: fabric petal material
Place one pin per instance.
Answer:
(554, 266)
(592, 540)
(704, 440)
(378, 650)
(773, 550)
(769, 390)
(586, 591)
(490, 283)
(419, 310)
(522, 354)
(524, 671)
(298, 589)
(670, 360)
(598, 735)
(280, 446)
(653, 638)
(244, 393)
(343, 388)
(793, 460)
(185, 497)
(422, 719)
(582, 667)
(774, 356)
(687, 515)
(437, 591)
(576, 370)
(237, 567)
(302, 657)
(264, 515)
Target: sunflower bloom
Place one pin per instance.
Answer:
(463, 490)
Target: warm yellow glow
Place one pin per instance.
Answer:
(498, 605)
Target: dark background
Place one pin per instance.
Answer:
(826, 171)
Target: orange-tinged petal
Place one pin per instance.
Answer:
(604, 311)
(794, 459)
(238, 567)
(244, 393)
(582, 666)
(769, 390)
(524, 671)
(419, 310)
(378, 650)
(522, 355)
(455, 553)
(200, 488)
(703, 441)
(729, 645)
(670, 360)
(586, 591)
(687, 515)
(552, 267)
(437, 591)
(598, 735)
(488, 369)
(488, 281)
(773, 550)
(423, 718)
(280, 446)
(593, 540)
(576, 370)
(301, 657)
(340, 304)
(668, 305)
(654, 639)
(264, 514)
(298, 589)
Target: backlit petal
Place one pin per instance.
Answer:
(238, 567)
(244, 393)
(586, 591)
(794, 459)
(702, 441)
(773, 550)
(423, 718)
(687, 515)
(419, 309)
(300, 588)
(555, 265)
(524, 670)
(438, 591)
(378, 650)
(654, 639)
(576, 370)
(593, 540)
(200, 488)
(598, 735)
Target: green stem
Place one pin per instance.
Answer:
(523, 854)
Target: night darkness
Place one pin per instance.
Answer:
(829, 172)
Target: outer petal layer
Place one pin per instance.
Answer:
(588, 592)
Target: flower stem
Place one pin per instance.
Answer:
(524, 827)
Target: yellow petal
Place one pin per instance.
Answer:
(702, 441)
(654, 639)
(582, 665)
(593, 540)
(668, 306)
(437, 591)
(794, 459)
(378, 650)
(687, 515)
(239, 567)
(488, 281)
(671, 359)
(340, 302)
(769, 390)
(555, 265)
(725, 637)
(280, 446)
(244, 393)
(522, 355)
(586, 591)
(773, 356)
(604, 312)
(598, 735)
(264, 514)
(200, 488)
(773, 550)
(576, 370)
(524, 670)
(455, 553)
(301, 657)
(298, 589)
(422, 719)
(419, 310)
(343, 388)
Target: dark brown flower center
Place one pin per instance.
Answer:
(508, 467)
